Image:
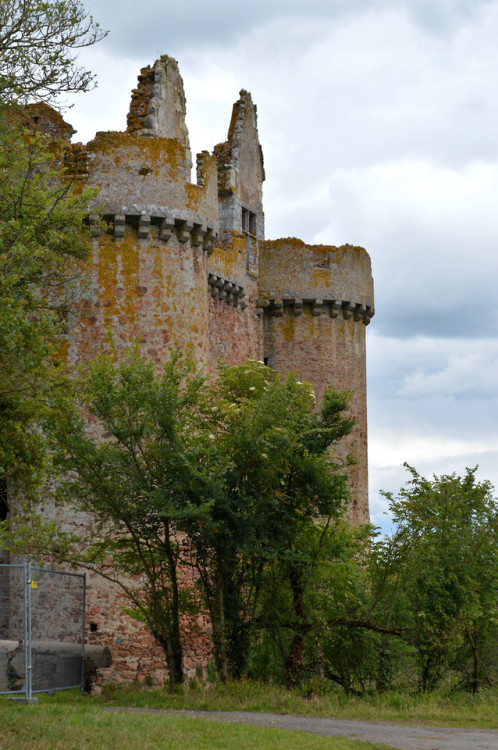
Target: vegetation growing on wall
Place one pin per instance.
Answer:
(41, 222)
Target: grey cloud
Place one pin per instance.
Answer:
(173, 27)
(378, 122)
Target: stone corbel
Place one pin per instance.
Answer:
(261, 304)
(216, 284)
(335, 308)
(369, 313)
(360, 311)
(297, 307)
(166, 228)
(347, 310)
(184, 229)
(317, 307)
(240, 298)
(119, 225)
(198, 233)
(209, 241)
(143, 227)
(278, 308)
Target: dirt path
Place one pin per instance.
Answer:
(400, 736)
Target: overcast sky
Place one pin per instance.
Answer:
(379, 126)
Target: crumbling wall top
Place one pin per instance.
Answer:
(240, 157)
(47, 120)
(158, 104)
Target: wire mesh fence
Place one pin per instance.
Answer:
(42, 629)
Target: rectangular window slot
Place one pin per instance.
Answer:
(248, 222)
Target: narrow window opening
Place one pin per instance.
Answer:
(248, 222)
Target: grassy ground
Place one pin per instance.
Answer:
(454, 710)
(85, 725)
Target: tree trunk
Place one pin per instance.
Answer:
(384, 673)
(174, 658)
(295, 660)
(236, 628)
(476, 661)
(174, 650)
(219, 635)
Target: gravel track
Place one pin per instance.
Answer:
(400, 736)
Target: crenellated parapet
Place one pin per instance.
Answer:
(347, 308)
(326, 280)
(229, 291)
(143, 183)
(159, 223)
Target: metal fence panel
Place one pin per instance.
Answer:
(42, 629)
(13, 635)
(57, 602)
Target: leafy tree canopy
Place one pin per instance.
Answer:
(39, 40)
(42, 240)
(445, 552)
(180, 474)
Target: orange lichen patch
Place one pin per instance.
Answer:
(288, 327)
(321, 276)
(107, 277)
(283, 242)
(130, 258)
(194, 197)
(62, 349)
(229, 260)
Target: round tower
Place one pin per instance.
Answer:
(153, 228)
(316, 301)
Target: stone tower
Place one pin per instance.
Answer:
(182, 263)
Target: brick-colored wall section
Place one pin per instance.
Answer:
(330, 353)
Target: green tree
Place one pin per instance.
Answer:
(446, 550)
(42, 232)
(42, 240)
(276, 479)
(135, 474)
(177, 473)
(39, 40)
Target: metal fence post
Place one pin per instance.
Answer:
(83, 613)
(26, 658)
(29, 673)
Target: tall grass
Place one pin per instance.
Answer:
(456, 709)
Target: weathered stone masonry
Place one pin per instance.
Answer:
(185, 264)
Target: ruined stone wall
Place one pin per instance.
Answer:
(316, 301)
(182, 264)
(149, 277)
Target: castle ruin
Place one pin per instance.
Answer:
(185, 264)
